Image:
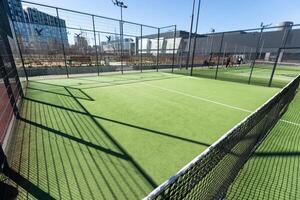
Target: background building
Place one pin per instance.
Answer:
(36, 30)
(234, 43)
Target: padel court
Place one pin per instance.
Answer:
(120, 136)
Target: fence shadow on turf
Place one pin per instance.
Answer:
(148, 130)
(11, 192)
(64, 151)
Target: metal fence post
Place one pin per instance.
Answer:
(224, 54)
(220, 51)
(100, 51)
(20, 51)
(174, 46)
(141, 50)
(62, 43)
(256, 54)
(121, 40)
(97, 61)
(211, 48)
(283, 45)
(190, 36)
(157, 56)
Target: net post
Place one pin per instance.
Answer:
(62, 42)
(94, 30)
(157, 55)
(220, 51)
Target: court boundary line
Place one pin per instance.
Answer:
(290, 122)
(215, 102)
(199, 98)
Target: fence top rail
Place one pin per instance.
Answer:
(187, 167)
(244, 30)
(84, 13)
(171, 26)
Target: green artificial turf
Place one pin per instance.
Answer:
(273, 170)
(260, 76)
(120, 136)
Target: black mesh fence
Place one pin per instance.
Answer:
(11, 89)
(58, 41)
(209, 175)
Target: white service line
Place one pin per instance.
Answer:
(199, 98)
(289, 122)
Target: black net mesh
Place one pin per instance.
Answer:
(210, 175)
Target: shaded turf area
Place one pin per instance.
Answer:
(273, 172)
(260, 76)
(119, 136)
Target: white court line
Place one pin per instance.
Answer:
(199, 98)
(215, 102)
(289, 122)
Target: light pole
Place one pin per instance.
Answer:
(121, 5)
(190, 35)
(195, 38)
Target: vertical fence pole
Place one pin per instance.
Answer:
(281, 49)
(141, 49)
(256, 54)
(224, 53)
(261, 49)
(121, 40)
(220, 51)
(157, 55)
(94, 30)
(211, 48)
(100, 51)
(62, 43)
(195, 38)
(174, 46)
(190, 36)
(16, 27)
(250, 54)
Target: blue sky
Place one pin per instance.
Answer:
(219, 14)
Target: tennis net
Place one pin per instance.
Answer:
(210, 174)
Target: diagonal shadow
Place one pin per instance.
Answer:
(69, 136)
(57, 93)
(27, 185)
(122, 123)
(107, 134)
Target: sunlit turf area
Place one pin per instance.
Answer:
(260, 76)
(273, 170)
(120, 136)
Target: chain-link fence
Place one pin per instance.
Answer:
(57, 41)
(249, 56)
